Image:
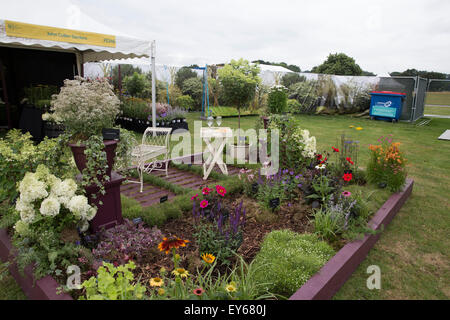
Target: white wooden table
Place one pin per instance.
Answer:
(220, 135)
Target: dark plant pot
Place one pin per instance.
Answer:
(80, 157)
(31, 121)
(255, 188)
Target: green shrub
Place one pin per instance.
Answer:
(293, 106)
(186, 102)
(136, 84)
(193, 87)
(290, 259)
(183, 74)
(137, 108)
(277, 101)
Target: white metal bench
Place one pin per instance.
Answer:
(148, 154)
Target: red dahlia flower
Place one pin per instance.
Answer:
(204, 204)
(349, 160)
(221, 190)
(335, 149)
(347, 177)
(206, 191)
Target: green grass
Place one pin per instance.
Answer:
(10, 290)
(441, 111)
(439, 98)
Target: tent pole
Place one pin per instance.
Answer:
(153, 85)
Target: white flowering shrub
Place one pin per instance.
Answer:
(47, 214)
(297, 146)
(18, 154)
(277, 99)
(86, 106)
(44, 198)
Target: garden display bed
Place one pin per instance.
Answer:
(323, 285)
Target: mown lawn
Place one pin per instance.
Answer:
(441, 111)
(414, 250)
(438, 98)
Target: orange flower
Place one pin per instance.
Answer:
(167, 244)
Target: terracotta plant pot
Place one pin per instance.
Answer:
(80, 157)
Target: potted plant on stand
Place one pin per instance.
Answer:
(239, 80)
(86, 107)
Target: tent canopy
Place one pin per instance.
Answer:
(88, 46)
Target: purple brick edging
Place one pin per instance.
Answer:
(330, 278)
(42, 289)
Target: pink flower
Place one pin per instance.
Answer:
(194, 197)
(206, 191)
(346, 194)
(204, 204)
(221, 190)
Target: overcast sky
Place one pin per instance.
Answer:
(382, 36)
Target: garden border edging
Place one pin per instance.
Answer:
(332, 276)
(42, 289)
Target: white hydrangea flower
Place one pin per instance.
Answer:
(79, 206)
(31, 188)
(64, 190)
(50, 207)
(27, 214)
(90, 214)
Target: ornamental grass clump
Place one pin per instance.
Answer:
(86, 107)
(287, 260)
(387, 164)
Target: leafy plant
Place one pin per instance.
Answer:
(184, 74)
(287, 260)
(113, 283)
(277, 100)
(239, 80)
(186, 102)
(18, 155)
(136, 84)
(127, 241)
(218, 228)
(86, 107)
(387, 164)
(291, 78)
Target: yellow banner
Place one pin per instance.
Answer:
(26, 30)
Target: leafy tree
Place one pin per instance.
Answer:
(193, 87)
(183, 74)
(136, 84)
(125, 71)
(339, 64)
(291, 78)
(239, 80)
(368, 73)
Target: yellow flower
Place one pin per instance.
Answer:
(358, 128)
(161, 291)
(231, 287)
(156, 282)
(208, 258)
(351, 126)
(183, 273)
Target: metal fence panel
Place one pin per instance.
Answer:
(419, 103)
(401, 84)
